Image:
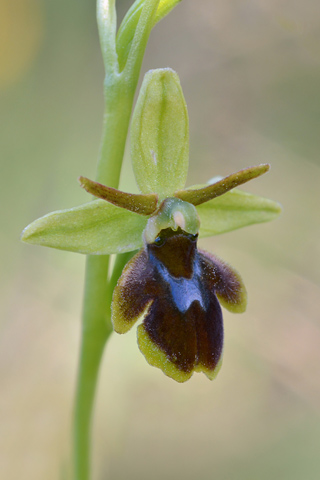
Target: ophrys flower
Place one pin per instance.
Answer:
(174, 288)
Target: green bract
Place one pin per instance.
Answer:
(128, 26)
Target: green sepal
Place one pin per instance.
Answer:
(97, 228)
(129, 23)
(233, 210)
(160, 135)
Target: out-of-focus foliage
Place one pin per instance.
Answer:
(250, 72)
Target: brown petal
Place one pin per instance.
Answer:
(202, 195)
(138, 203)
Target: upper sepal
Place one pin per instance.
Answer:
(160, 134)
(96, 227)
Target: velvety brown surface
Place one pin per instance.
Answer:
(184, 318)
(227, 282)
(190, 338)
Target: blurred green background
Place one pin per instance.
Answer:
(250, 70)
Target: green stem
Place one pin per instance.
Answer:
(96, 330)
(96, 325)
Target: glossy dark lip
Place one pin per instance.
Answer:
(178, 289)
(175, 252)
(192, 309)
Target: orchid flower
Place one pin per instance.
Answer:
(175, 289)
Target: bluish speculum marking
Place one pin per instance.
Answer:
(184, 291)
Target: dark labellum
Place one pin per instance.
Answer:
(175, 288)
